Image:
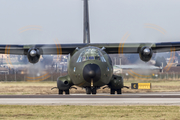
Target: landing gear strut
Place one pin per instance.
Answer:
(90, 90)
(66, 92)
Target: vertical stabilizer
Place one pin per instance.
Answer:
(86, 34)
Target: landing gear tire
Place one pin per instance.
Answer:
(112, 91)
(119, 91)
(67, 92)
(88, 90)
(93, 91)
(60, 92)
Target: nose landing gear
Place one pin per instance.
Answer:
(90, 90)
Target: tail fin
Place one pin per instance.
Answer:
(86, 34)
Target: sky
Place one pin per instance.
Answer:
(61, 21)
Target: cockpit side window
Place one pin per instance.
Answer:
(97, 58)
(102, 57)
(91, 54)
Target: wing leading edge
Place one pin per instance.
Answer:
(110, 48)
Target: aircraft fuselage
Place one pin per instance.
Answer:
(90, 64)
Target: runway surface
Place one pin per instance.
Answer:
(171, 98)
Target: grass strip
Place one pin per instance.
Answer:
(71, 112)
(44, 87)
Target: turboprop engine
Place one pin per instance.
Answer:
(145, 54)
(33, 55)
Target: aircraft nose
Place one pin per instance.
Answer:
(91, 71)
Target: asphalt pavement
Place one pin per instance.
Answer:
(167, 98)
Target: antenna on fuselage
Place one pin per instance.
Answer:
(86, 34)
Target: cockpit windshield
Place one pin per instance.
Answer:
(91, 54)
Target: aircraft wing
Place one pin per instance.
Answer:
(110, 48)
(125, 48)
(45, 49)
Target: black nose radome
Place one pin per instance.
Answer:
(91, 71)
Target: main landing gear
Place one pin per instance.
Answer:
(66, 92)
(90, 90)
(114, 90)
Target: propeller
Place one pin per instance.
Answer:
(160, 61)
(143, 69)
(38, 67)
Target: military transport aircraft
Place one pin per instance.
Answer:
(89, 64)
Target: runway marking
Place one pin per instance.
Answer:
(170, 98)
(87, 101)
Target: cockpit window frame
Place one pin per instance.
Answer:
(85, 56)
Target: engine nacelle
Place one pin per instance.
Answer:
(33, 55)
(145, 54)
(64, 83)
(116, 82)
